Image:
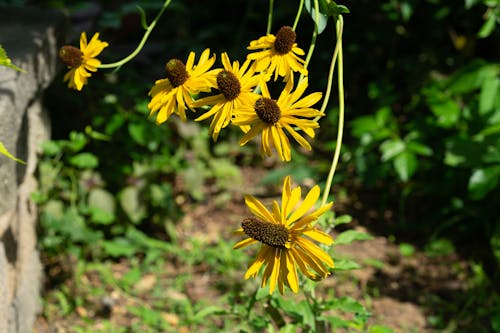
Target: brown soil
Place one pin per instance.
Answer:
(398, 290)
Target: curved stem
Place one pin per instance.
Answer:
(270, 17)
(340, 24)
(330, 74)
(297, 17)
(313, 38)
(143, 40)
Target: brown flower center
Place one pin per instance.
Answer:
(271, 234)
(176, 72)
(268, 110)
(228, 84)
(71, 56)
(285, 38)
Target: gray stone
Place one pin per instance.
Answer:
(31, 38)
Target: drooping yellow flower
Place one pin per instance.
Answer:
(173, 94)
(286, 235)
(271, 118)
(236, 85)
(82, 60)
(280, 54)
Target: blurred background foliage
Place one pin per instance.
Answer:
(422, 79)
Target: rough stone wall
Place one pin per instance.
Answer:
(31, 38)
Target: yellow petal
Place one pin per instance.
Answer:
(308, 202)
(255, 266)
(258, 209)
(291, 276)
(319, 236)
(314, 251)
(243, 243)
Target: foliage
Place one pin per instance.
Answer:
(424, 115)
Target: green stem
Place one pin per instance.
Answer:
(340, 25)
(330, 75)
(299, 12)
(313, 38)
(143, 40)
(270, 17)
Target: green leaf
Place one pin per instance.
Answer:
(406, 250)
(349, 236)
(100, 216)
(418, 148)
(84, 161)
(488, 26)
(51, 148)
(102, 199)
(392, 148)
(5, 152)
(348, 304)
(483, 181)
(345, 265)
(5, 61)
(489, 93)
(405, 165)
(342, 219)
(380, 329)
(446, 111)
(131, 203)
(207, 311)
(322, 19)
(118, 247)
(338, 322)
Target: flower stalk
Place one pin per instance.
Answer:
(139, 47)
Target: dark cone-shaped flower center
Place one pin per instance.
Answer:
(285, 38)
(268, 110)
(271, 234)
(228, 84)
(176, 72)
(71, 56)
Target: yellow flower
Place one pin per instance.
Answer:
(81, 61)
(286, 235)
(236, 85)
(272, 118)
(280, 55)
(173, 94)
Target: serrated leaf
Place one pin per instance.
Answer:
(4, 151)
(5, 61)
(349, 236)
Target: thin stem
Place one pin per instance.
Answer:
(330, 75)
(143, 40)
(297, 17)
(313, 38)
(340, 24)
(270, 17)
